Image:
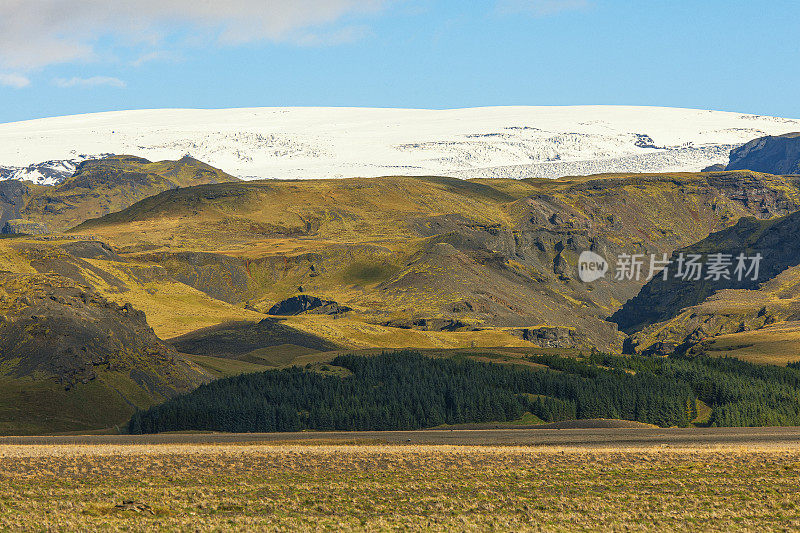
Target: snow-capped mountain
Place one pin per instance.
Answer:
(45, 173)
(342, 142)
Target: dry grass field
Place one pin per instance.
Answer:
(363, 486)
(777, 344)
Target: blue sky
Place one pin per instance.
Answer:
(61, 57)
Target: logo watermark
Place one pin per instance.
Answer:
(591, 266)
(687, 267)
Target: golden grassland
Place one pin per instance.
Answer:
(366, 243)
(394, 487)
(354, 333)
(756, 325)
(774, 345)
(172, 308)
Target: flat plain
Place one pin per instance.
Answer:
(728, 482)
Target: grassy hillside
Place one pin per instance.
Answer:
(401, 251)
(172, 308)
(754, 316)
(72, 360)
(107, 185)
(676, 208)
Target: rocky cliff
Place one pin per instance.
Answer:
(778, 154)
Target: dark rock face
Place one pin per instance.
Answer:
(230, 279)
(307, 304)
(23, 227)
(777, 240)
(553, 337)
(49, 325)
(661, 349)
(774, 155)
(219, 276)
(719, 167)
(91, 250)
(13, 195)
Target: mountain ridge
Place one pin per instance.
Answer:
(101, 186)
(779, 154)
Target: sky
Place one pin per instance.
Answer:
(63, 57)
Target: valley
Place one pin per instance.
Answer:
(243, 276)
(378, 265)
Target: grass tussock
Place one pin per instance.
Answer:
(388, 487)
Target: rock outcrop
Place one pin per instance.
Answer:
(304, 303)
(24, 227)
(773, 154)
(52, 326)
(553, 337)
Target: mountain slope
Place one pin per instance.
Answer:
(71, 360)
(761, 325)
(415, 251)
(776, 240)
(344, 142)
(107, 185)
(172, 307)
(676, 314)
(775, 154)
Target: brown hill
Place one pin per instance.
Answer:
(673, 314)
(485, 253)
(103, 186)
(72, 360)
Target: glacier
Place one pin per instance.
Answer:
(299, 143)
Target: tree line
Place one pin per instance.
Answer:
(740, 394)
(406, 390)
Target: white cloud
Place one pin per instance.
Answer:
(95, 81)
(17, 81)
(348, 34)
(158, 55)
(42, 32)
(541, 8)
